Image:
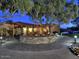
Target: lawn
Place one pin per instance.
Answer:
(71, 35)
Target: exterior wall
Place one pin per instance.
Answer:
(55, 28)
(30, 29)
(41, 30)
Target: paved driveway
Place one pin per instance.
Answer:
(55, 50)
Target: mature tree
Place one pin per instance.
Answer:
(57, 9)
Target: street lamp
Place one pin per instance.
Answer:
(75, 37)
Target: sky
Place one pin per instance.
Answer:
(18, 17)
(75, 2)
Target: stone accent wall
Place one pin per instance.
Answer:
(39, 40)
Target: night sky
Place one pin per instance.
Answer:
(17, 17)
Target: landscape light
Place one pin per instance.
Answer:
(75, 37)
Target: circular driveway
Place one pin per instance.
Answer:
(55, 50)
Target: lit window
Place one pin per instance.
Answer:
(24, 30)
(30, 29)
(35, 29)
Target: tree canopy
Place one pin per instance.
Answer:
(57, 9)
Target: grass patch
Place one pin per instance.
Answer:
(71, 35)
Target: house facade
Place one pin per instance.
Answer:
(11, 29)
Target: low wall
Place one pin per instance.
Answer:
(39, 40)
